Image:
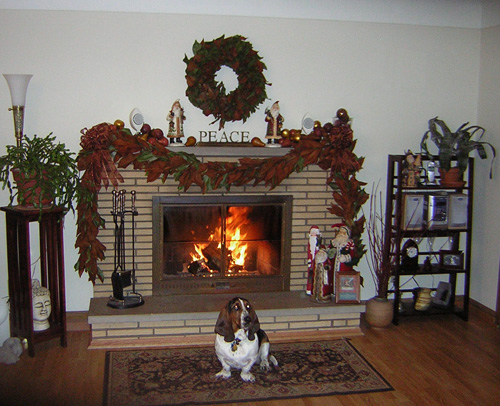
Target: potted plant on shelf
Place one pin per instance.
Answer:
(40, 172)
(454, 146)
(379, 310)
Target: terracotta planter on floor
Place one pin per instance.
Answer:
(379, 312)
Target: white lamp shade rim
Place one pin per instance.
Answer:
(18, 85)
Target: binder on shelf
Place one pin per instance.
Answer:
(458, 211)
(413, 211)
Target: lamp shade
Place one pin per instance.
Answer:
(18, 85)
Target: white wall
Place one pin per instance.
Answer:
(486, 241)
(91, 67)
(449, 13)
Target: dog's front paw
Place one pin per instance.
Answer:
(223, 374)
(247, 377)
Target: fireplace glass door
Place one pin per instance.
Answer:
(221, 244)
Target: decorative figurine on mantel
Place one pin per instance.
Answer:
(42, 306)
(274, 122)
(312, 248)
(175, 120)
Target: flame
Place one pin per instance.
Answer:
(236, 219)
(198, 256)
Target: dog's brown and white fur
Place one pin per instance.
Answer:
(239, 340)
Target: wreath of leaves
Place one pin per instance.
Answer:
(210, 96)
(106, 148)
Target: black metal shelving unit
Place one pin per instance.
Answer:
(396, 235)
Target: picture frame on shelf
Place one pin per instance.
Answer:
(451, 259)
(347, 287)
(443, 294)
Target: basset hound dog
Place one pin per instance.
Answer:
(239, 340)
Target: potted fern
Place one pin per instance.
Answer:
(40, 172)
(455, 146)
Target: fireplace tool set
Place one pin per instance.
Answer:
(121, 277)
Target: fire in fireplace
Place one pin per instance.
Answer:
(221, 244)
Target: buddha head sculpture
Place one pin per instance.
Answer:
(41, 306)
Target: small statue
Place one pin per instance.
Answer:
(427, 265)
(274, 122)
(175, 120)
(342, 249)
(411, 169)
(41, 306)
(323, 278)
(312, 248)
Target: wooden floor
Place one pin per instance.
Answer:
(428, 361)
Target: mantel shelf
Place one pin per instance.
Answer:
(232, 151)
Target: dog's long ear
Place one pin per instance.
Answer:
(254, 324)
(224, 326)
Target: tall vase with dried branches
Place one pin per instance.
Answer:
(379, 310)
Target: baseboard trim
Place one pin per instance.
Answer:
(487, 313)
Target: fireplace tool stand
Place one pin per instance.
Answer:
(121, 277)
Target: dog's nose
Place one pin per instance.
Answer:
(247, 319)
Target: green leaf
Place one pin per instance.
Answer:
(146, 155)
(196, 47)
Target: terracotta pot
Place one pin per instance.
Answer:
(26, 187)
(451, 178)
(379, 312)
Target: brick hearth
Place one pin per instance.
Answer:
(161, 319)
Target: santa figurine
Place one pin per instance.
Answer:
(274, 122)
(312, 248)
(323, 278)
(175, 120)
(342, 248)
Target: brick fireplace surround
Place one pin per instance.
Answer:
(189, 320)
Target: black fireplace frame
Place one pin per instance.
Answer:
(222, 284)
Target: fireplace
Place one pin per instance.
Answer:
(185, 320)
(221, 244)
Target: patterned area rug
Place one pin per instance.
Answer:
(184, 376)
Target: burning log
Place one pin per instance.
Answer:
(213, 254)
(198, 267)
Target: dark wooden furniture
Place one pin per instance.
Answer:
(396, 234)
(497, 314)
(51, 267)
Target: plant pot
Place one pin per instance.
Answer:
(451, 178)
(28, 193)
(379, 312)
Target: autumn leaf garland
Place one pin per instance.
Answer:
(106, 148)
